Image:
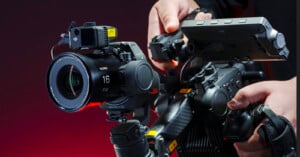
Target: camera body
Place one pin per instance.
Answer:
(219, 83)
(96, 70)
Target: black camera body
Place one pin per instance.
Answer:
(219, 84)
(114, 74)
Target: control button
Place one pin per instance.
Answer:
(225, 86)
(200, 22)
(238, 84)
(227, 21)
(228, 87)
(214, 22)
(242, 20)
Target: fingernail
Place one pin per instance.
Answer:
(234, 103)
(171, 27)
(200, 16)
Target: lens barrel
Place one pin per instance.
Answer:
(74, 80)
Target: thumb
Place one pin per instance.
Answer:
(169, 18)
(250, 94)
(171, 24)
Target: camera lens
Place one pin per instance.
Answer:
(70, 81)
(74, 80)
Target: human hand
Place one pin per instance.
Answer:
(164, 16)
(280, 96)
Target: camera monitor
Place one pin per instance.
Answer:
(250, 38)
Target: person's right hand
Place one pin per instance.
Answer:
(280, 96)
(164, 17)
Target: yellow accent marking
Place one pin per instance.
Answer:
(185, 90)
(173, 145)
(111, 32)
(151, 133)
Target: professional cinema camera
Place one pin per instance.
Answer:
(191, 99)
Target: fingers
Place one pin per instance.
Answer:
(169, 17)
(163, 17)
(250, 94)
(254, 146)
(256, 153)
(154, 24)
(155, 28)
(203, 16)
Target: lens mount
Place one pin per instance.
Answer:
(69, 82)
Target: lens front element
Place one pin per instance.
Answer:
(69, 81)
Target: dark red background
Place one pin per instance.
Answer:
(30, 124)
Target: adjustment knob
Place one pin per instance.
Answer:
(138, 77)
(279, 41)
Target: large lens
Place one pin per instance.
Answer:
(69, 82)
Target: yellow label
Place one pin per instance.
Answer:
(173, 145)
(151, 133)
(111, 32)
(185, 90)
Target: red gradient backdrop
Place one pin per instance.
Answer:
(30, 124)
